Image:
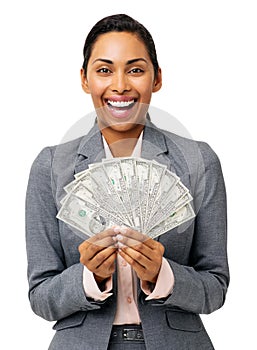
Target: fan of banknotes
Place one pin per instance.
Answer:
(130, 191)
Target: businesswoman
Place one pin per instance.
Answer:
(121, 289)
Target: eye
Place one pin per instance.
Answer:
(136, 71)
(104, 70)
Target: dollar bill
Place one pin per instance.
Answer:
(143, 176)
(100, 176)
(167, 182)
(183, 215)
(97, 191)
(114, 172)
(178, 197)
(157, 172)
(85, 216)
(128, 168)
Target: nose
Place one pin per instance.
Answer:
(120, 83)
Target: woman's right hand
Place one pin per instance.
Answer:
(99, 253)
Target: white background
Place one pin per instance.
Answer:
(207, 51)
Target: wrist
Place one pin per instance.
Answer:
(100, 281)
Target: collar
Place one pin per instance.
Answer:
(91, 148)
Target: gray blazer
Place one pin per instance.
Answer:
(196, 251)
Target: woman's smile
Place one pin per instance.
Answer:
(121, 107)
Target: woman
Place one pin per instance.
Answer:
(121, 289)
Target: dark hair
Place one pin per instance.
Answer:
(120, 23)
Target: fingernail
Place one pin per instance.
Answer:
(116, 229)
(119, 237)
(123, 230)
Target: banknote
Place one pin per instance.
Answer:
(167, 183)
(177, 218)
(85, 216)
(108, 186)
(143, 180)
(178, 197)
(157, 172)
(114, 172)
(130, 191)
(128, 168)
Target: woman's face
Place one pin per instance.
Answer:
(120, 79)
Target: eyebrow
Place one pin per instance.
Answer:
(134, 60)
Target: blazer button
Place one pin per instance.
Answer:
(124, 263)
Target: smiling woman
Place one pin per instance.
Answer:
(121, 289)
(121, 78)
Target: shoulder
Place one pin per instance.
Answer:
(190, 148)
(47, 156)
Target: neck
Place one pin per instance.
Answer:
(122, 143)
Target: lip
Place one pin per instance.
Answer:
(121, 112)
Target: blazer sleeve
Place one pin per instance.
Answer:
(55, 290)
(201, 285)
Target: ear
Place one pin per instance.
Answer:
(84, 82)
(157, 81)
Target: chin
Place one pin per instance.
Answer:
(125, 126)
(122, 127)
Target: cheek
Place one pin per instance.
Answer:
(146, 94)
(95, 89)
(145, 88)
(96, 86)
(96, 92)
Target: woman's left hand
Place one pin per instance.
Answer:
(143, 253)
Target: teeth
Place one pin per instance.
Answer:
(120, 104)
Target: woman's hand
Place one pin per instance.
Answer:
(143, 253)
(98, 254)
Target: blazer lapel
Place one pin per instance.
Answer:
(154, 145)
(90, 150)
